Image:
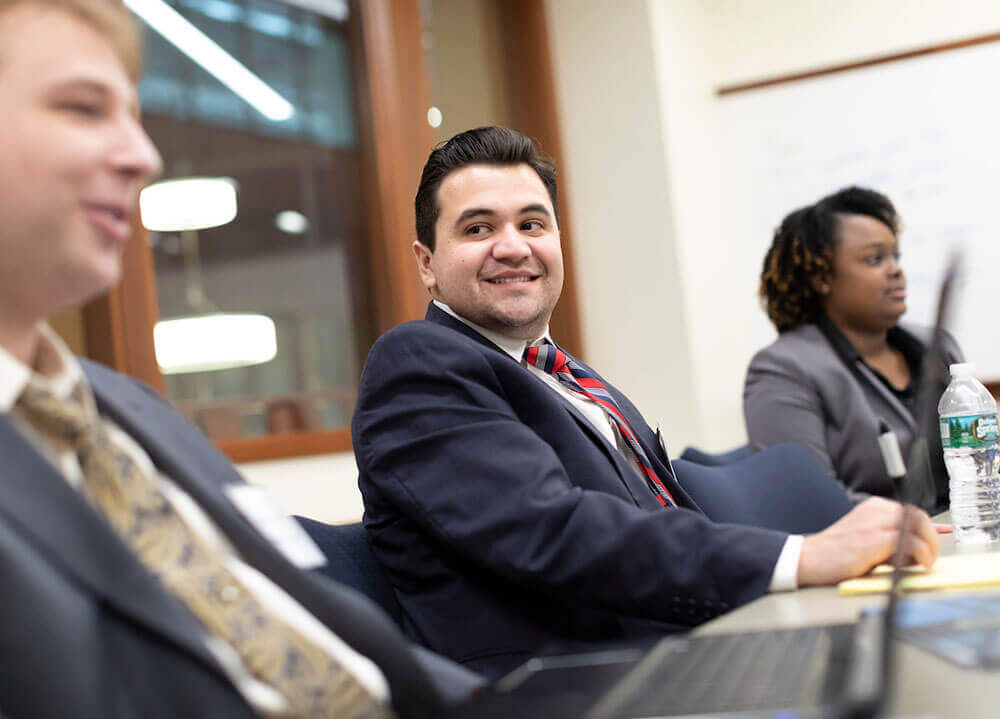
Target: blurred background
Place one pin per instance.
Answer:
(276, 245)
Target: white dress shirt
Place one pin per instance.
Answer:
(785, 575)
(60, 373)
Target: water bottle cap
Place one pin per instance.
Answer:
(963, 369)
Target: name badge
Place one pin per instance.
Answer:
(270, 520)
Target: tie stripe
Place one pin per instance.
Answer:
(574, 376)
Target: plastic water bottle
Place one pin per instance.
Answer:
(969, 436)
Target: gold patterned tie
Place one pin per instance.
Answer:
(312, 682)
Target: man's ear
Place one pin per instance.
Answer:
(423, 255)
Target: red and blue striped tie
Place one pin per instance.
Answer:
(572, 375)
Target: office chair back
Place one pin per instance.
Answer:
(350, 561)
(692, 454)
(784, 487)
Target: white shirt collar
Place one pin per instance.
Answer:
(513, 347)
(52, 351)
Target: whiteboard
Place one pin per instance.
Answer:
(925, 131)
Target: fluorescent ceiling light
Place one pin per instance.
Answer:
(189, 203)
(214, 342)
(207, 53)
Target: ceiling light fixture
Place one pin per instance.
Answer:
(208, 54)
(214, 342)
(188, 203)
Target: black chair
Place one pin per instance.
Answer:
(691, 454)
(784, 487)
(350, 561)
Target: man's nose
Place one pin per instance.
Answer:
(511, 246)
(136, 156)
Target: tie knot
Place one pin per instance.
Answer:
(64, 419)
(546, 357)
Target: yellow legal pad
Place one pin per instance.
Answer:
(956, 571)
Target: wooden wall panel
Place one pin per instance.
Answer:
(398, 140)
(119, 325)
(531, 101)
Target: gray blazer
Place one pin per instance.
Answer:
(798, 389)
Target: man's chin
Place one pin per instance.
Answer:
(93, 284)
(521, 327)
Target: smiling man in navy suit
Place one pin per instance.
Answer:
(139, 575)
(516, 498)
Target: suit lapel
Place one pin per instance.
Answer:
(38, 500)
(635, 485)
(181, 452)
(656, 454)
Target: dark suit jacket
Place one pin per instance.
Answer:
(506, 521)
(88, 632)
(798, 389)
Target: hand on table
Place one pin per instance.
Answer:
(863, 538)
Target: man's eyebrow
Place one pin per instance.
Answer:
(97, 87)
(534, 208)
(474, 212)
(537, 207)
(81, 82)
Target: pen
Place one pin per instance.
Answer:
(893, 458)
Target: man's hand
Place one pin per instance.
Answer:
(863, 538)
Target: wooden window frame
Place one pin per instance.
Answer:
(395, 140)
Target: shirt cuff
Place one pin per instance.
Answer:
(786, 569)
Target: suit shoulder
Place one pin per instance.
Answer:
(421, 338)
(102, 376)
(792, 347)
(417, 331)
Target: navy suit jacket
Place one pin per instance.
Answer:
(507, 522)
(88, 632)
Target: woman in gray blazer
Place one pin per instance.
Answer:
(833, 287)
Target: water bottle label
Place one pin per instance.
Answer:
(974, 430)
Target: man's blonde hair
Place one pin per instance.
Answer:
(110, 18)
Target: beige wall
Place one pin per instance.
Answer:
(751, 39)
(679, 52)
(466, 65)
(323, 487)
(630, 292)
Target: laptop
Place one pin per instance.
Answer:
(842, 670)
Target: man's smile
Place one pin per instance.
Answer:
(508, 280)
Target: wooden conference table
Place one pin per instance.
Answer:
(927, 686)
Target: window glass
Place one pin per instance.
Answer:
(295, 254)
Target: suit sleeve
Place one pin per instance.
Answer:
(437, 439)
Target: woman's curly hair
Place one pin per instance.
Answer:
(802, 251)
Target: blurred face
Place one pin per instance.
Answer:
(867, 291)
(497, 259)
(73, 158)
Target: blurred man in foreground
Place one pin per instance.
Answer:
(140, 576)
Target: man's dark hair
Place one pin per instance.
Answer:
(802, 250)
(492, 145)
